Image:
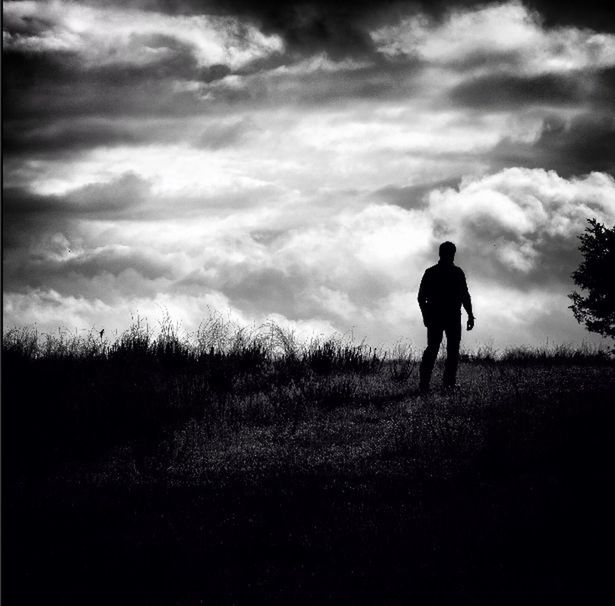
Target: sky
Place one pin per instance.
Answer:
(302, 161)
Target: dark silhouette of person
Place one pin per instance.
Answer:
(442, 292)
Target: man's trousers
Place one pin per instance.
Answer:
(437, 327)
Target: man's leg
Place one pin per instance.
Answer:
(434, 338)
(453, 339)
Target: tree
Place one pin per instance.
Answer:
(596, 276)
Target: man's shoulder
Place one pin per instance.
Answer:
(444, 270)
(430, 274)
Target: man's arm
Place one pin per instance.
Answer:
(466, 301)
(422, 298)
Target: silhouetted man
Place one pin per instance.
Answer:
(442, 292)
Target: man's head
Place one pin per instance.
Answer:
(447, 252)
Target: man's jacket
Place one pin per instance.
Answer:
(442, 292)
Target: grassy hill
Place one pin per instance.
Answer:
(238, 467)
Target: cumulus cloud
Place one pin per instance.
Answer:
(495, 35)
(350, 268)
(520, 225)
(102, 36)
(578, 145)
(300, 162)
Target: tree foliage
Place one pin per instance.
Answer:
(595, 307)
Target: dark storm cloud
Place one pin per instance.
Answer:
(99, 199)
(175, 60)
(43, 235)
(292, 291)
(41, 137)
(339, 26)
(43, 88)
(491, 60)
(413, 196)
(84, 111)
(57, 84)
(508, 91)
(391, 82)
(30, 217)
(598, 15)
(253, 289)
(116, 261)
(603, 94)
(43, 271)
(584, 144)
(221, 135)
(267, 288)
(557, 256)
(65, 137)
(107, 276)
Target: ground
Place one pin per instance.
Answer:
(495, 493)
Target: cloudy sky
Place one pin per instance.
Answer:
(302, 161)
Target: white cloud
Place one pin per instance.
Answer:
(349, 267)
(296, 150)
(318, 63)
(50, 312)
(500, 29)
(105, 35)
(517, 209)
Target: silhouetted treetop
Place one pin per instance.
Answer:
(596, 276)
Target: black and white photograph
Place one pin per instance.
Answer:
(307, 302)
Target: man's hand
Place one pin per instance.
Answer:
(470, 324)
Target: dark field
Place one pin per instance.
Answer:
(245, 469)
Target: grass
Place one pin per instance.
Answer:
(239, 465)
(87, 393)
